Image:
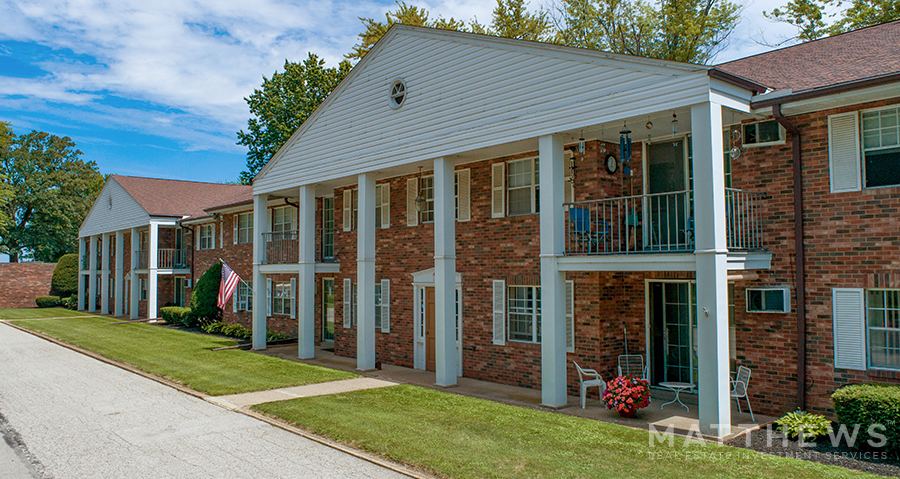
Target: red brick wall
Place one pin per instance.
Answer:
(20, 283)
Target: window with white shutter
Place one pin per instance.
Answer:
(499, 311)
(385, 306)
(881, 147)
(848, 311)
(843, 152)
(268, 297)
(570, 316)
(498, 190)
(348, 302)
(383, 206)
(883, 323)
(348, 211)
(293, 298)
(463, 195)
(412, 191)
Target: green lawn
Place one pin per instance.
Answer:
(465, 437)
(32, 313)
(184, 357)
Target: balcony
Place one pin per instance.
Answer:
(166, 258)
(657, 223)
(283, 247)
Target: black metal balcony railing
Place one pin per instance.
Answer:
(657, 223)
(166, 258)
(283, 247)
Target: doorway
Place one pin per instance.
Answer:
(424, 334)
(667, 208)
(328, 309)
(429, 329)
(672, 331)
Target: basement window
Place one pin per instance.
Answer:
(768, 300)
(398, 94)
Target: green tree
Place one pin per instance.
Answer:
(52, 191)
(205, 296)
(65, 275)
(282, 104)
(406, 15)
(680, 30)
(813, 19)
(511, 19)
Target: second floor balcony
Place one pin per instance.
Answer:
(283, 247)
(166, 258)
(657, 223)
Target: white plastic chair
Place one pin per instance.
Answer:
(633, 364)
(739, 388)
(589, 378)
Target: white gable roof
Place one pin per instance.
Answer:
(122, 213)
(466, 92)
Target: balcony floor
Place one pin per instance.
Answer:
(658, 261)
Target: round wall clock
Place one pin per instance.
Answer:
(612, 164)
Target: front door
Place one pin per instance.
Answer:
(672, 332)
(179, 292)
(328, 309)
(429, 329)
(667, 213)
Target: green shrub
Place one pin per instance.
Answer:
(47, 301)
(65, 275)
(867, 405)
(806, 426)
(205, 297)
(70, 303)
(179, 316)
(240, 332)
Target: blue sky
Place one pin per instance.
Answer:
(156, 88)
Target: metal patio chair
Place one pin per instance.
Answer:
(589, 378)
(739, 388)
(633, 364)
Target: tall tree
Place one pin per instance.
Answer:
(406, 15)
(813, 19)
(680, 30)
(52, 191)
(282, 104)
(511, 19)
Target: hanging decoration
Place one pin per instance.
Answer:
(674, 124)
(420, 200)
(735, 150)
(602, 149)
(625, 149)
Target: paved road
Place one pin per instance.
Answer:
(65, 415)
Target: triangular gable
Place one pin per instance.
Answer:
(465, 92)
(123, 212)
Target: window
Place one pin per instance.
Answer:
(282, 219)
(142, 284)
(382, 205)
(398, 94)
(244, 296)
(328, 227)
(768, 300)
(763, 132)
(524, 313)
(244, 227)
(881, 147)
(281, 297)
(427, 187)
(522, 186)
(883, 326)
(207, 236)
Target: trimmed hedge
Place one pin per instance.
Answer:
(47, 301)
(178, 316)
(868, 404)
(65, 275)
(205, 297)
(239, 332)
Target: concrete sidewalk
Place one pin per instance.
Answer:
(233, 401)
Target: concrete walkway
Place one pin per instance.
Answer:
(233, 401)
(74, 416)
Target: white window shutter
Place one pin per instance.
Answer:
(348, 209)
(198, 232)
(236, 219)
(386, 205)
(498, 189)
(293, 298)
(295, 214)
(348, 302)
(843, 152)
(234, 298)
(570, 316)
(212, 238)
(385, 306)
(499, 308)
(849, 315)
(268, 297)
(464, 179)
(412, 190)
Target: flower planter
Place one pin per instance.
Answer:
(627, 412)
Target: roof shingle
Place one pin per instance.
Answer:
(177, 198)
(858, 55)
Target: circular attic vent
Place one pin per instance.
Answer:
(398, 94)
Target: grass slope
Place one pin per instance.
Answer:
(37, 313)
(466, 437)
(184, 357)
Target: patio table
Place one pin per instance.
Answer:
(677, 388)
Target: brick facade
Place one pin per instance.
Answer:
(20, 283)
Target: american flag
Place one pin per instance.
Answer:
(229, 283)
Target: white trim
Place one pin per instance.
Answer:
(498, 190)
(844, 168)
(849, 328)
(412, 191)
(498, 308)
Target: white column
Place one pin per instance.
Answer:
(553, 282)
(118, 309)
(82, 301)
(260, 225)
(714, 406)
(92, 279)
(365, 274)
(306, 297)
(135, 280)
(152, 253)
(104, 275)
(444, 273)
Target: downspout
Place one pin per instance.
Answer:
(798, 253)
